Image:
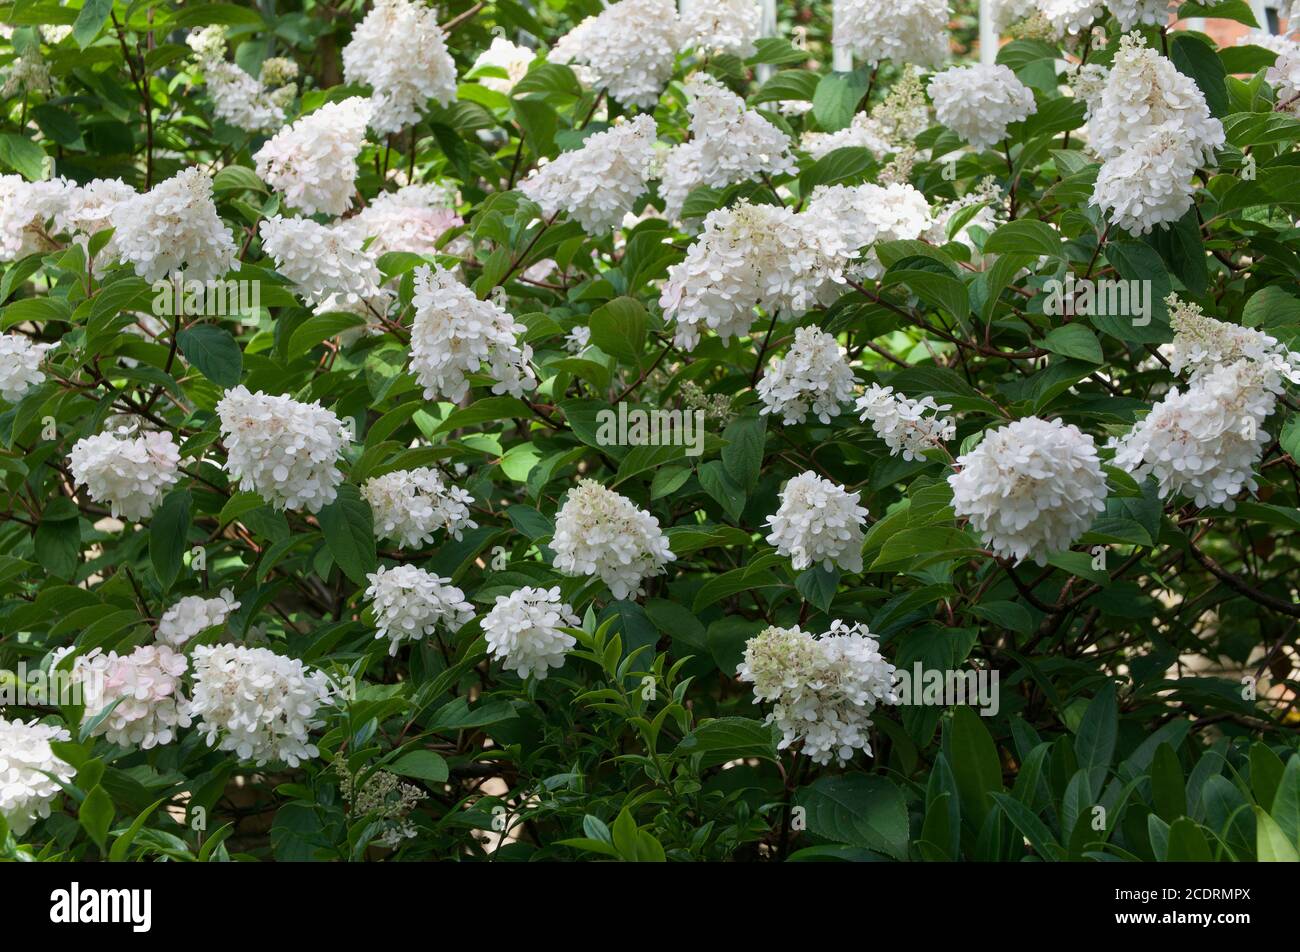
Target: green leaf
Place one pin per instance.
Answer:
(1168, 788)
(119, 851)
(23, 156)
(725, 739)
(1237, 10)
(90, 21)
(58, 544)
(1197, 59)
(818, 586)
(1266, 773)
(859, 809)
(1034, 830)
(539, 122)
(836, 166)
(1095, 742)
(975, 763)
(214, 352)
(742, 457)
(237, 178)
(421, 764)
(753, 575)
(724, 490)
(624, 834)
(318, 328)
(1074, 340)
(88, 727)
(1136, 261)
(96, 815)
(456, 715)
(349, 529)
(619, 328)
(484, 411)
(1285, 808)
(1025, 236)
(1271, 844)
(837, 96)
(788, 84)
(1187, 843)
(168, 534)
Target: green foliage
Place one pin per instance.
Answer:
(1145, 682)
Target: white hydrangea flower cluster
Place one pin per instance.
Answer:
(326, 264)
(25, 208)
(313, 163)
(729, 143)
(283, 450)
(818, 522)
(28, 73)
(1147, 185)
(1151, 126)
(904, 114)
(629, 49)
(1202, 343)
(856, 216)
(814, 375)
(88, 209)
(864, 131)
(26, 758)
(1069, 17)
(1284, 75)
(749, 256)
(907, 426)
(173, 227)
(508, 57)
(146, 687)
(193, 615)
(258, 704)
(823, 689)
(131, 473)
(412, 219)
(1007, 12)
(979, 102)
(246, 102)
(599, 532)
(1031, 488)
(20, 365)
(1204, 443)
(454, 334)
(713, 27)
(411, 603)
(1144, 93)
(598, 183)
(400, 52)
(1130, 13)
(410, 505)
(904, 31)
(523, 630)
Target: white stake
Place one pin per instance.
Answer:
(841, 56)
(988, 34)
(767, 27)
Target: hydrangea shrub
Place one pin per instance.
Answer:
(578, 432)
